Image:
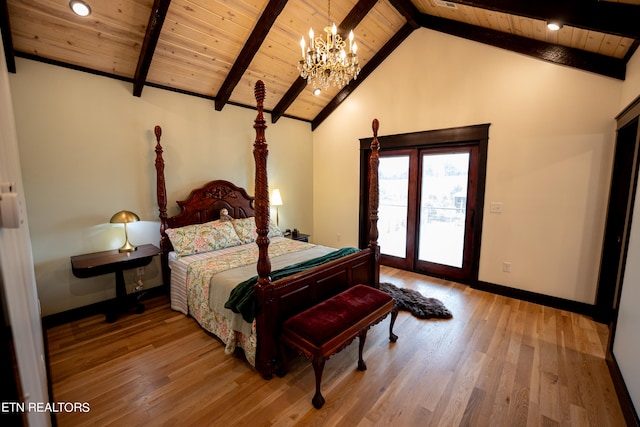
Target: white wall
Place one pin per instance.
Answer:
(551, 144)
(626, 346)
(87, 151)
(16, 270)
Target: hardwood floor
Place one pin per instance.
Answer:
(499, 361)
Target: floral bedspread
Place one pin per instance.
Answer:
(220, 321)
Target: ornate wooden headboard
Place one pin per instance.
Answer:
(204, 204)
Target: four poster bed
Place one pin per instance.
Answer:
(206, 254)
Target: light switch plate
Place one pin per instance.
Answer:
(10, 211)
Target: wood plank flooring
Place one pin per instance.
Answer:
(498, 362)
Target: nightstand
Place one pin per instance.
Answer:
(300, 237)
(113, 261)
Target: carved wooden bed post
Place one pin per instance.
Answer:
(265, 324)
(161, 191)
(260, 154)
(374, 161)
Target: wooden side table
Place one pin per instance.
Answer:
(112, 261)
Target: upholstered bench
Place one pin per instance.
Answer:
(328, 327)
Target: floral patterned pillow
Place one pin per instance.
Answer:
(246, 229)
(198, 238)
(274, 230)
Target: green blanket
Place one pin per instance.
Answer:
(241, 299)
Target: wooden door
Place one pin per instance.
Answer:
(403, 235)
(620, 210)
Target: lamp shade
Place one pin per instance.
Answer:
(276, 198)
(124, 217)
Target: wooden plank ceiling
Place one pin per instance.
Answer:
(218, 48)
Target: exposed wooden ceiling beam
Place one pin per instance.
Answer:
(7, 41)
(355, 16)
(287, 99)
(561, 55)
(408, 10)
(352, 20)
(606, 17)
(373, 63)
(156, 19)
(632, 49)
(249, 50)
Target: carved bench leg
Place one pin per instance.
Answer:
(318, 367)
(394, 313)
(362, 338)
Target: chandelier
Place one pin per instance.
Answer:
(325, 63)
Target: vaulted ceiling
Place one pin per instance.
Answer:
(217, 49)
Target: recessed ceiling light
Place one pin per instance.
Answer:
(80, 8)
(317, 91)
(554, 25)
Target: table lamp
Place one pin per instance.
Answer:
(276, 200)
(125, 217)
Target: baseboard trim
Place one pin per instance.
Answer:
(101, 307)
(546, 300)
(628, 409)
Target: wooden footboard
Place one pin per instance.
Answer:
(287, 297)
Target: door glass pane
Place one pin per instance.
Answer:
(393, 176)
(443, 208)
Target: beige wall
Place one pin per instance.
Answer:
(550, 152)
(86, 146)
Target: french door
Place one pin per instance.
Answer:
(431, 187)
(427, 209)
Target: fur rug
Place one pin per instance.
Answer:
(415, 303)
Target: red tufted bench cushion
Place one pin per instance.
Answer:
(331, 317)
(331, 325)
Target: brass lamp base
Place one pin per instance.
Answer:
(127, 247)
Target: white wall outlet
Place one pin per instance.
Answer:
(506, 267)
(496, 207)
(140, 271)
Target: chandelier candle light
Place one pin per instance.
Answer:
(325, 62)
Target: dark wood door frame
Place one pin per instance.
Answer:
(461, 136)
(622, 194)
